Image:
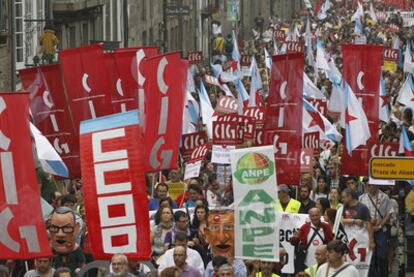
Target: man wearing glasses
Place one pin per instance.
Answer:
(63, 230)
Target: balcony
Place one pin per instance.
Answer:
(74, 5)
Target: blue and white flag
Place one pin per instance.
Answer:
(49, 159)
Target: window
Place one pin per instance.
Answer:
(144, 38)
(19, 31)
(144, 10)
(72, 37)
(3, 17)
(85, 34)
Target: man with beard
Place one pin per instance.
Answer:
(180, 257)
(119, 263)
(306, 202)
(220, 235)
(63, 231)
(43, 268)
(193, 258)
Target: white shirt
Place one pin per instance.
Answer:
(193, 259)
(317, 241)
(350, 271)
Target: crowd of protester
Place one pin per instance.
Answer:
(178, 229)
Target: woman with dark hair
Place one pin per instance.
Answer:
(200, 219)
(321, 190)
(163, 226)
(323, 204)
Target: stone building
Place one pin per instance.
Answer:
(5, 47)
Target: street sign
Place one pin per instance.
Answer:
(394, 168)
(177, 10)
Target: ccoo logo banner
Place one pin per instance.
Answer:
(116, 206)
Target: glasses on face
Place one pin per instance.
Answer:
(67, 229)
(183, 221)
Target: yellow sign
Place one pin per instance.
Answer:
(175, 189)
(392, 168)
(389, 66)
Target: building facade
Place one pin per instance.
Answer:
(5, 47)
(82, 22)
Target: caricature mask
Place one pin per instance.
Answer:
(63, 230)
(220, 232)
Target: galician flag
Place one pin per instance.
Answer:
(406, 93)
(207, 110)
(408, 60)
(314, 121)
(405, 144)
(49, 159)
(384, 113)
(255, 84)
(354, 119)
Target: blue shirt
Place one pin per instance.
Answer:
(154, 204)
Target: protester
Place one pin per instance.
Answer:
(308, 238)
(181, 226)
(356, 213)
(305, 201)
(336, 265)
(160, 231)
(43, 268)
(180, 257)
(119, 265)
(193, 258)
(226, 270)
(62, 272)
(266, 270)
(380, 209)
(320, 257)
(321, 190)
(63, 230)
(335, 198)
(161, 192)
(4, 271)
(217, 261)
(285, 203)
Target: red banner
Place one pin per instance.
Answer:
(227, 104)
(311, 140)
(279, 35)
(50, 112)
(227, 133)
(126, 60)
(165, 84)
(284, 115)
(22, 229)
(258, 113)
(116, 206)
(191, 141)
(293, 46)
(362, 71)
(195, 57)
(87, 83)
